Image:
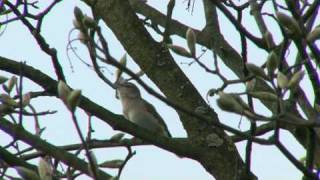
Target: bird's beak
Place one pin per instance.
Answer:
(117, 94)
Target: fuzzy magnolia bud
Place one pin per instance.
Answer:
(290, 24)
(11, 83)
(314, 35)
(112, 164)
(255, 70)
(44, 170)
(264, 96)
(191, 41)
(74, 99)
(63, 91)
(240, 101)
(282, 80)
(89, 22)
(78, 13)
(117, 137)
(250, 85)
(295, 79)
(179, 50)
(272, 62)
(83, 38)
(26, 173)
(268, 39)
(76, 24)
(227, 103)
(26, 99)
(6, 99)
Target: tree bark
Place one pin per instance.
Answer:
(223, 160)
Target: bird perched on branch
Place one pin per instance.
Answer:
(138, 110)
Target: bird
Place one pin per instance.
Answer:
(139, 111)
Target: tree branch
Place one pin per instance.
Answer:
(158, 64)
(41, 145)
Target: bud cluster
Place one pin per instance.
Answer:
(71, 98)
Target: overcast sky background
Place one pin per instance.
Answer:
(149, 162)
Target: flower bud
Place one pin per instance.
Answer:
(268, 39)
(26, 99)
(63, 91)
(264, 96)
(83, 38)
(78, 13)
(255, 70)
(89, 22)
(227, 102)
(179, 50)
(282, 80)
(76, 24)
(26, 173)
(272, 62)
(290, 24)
(6, 99)
(250, 85)
(117, 137)
(314, 35)
(12, 82)
(74, 99)
(191, 41)
(44, 170)
(295, 79)
(240, 101)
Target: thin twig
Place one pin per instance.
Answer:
(83, 141)
(129, 156)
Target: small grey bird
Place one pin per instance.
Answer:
(138, 110)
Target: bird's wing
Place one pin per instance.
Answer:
(154, 112)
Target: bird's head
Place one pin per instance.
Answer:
(126, 89)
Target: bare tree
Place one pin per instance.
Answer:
(210, 142)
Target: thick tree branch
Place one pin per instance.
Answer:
(118, 122)
(228, 55)
(158, 64)
(231, 59)
(12, 160)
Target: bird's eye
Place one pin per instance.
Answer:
(129, 85)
